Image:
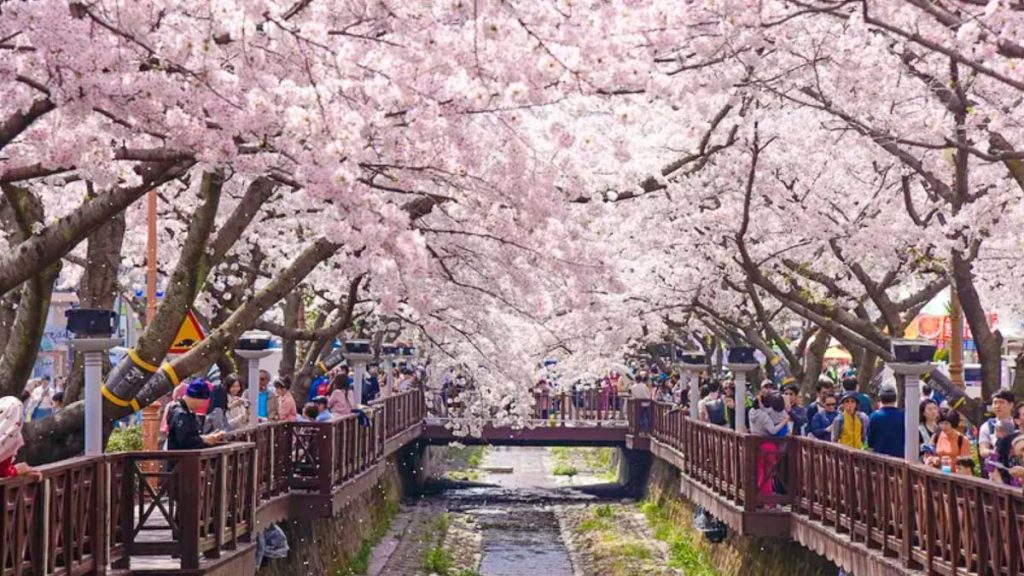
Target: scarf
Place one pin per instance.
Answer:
(11, 418)
(852, 433)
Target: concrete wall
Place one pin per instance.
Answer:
(737, 555)
(327, 546)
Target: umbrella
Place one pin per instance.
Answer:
(626, 371)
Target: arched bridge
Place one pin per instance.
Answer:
(196, 512)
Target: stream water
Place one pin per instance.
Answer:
(510, 524)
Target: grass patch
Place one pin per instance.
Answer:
(564, 469)
(463, 462)
(683, 552)
(360, 563)
(438, 560)
(599, 462)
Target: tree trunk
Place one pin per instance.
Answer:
(814, 360)
(987, 342)
(293, 311)
(22, 346)
(98, 288)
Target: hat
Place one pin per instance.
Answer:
(848, 396)
(198, 389)
(767, 384)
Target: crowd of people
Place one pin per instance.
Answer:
(841, 414)
(201, 412)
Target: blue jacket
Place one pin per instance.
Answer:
(821, 423)
(886, 431)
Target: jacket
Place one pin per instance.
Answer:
(837, 426)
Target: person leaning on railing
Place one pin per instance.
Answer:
(11, 418)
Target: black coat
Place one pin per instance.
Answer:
(183, 428)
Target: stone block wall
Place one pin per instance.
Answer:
(737, 555)
(327, 546)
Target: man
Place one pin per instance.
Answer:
(711, 408)
(323, 412)
(1002, 409)
(371, 385)
(886, 428)
(263, 402)
(797, 413)
(864, 403)
(822, 422)
(641, 394)
(824, 389)
(183, 425)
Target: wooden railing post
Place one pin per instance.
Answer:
(188, 511)
(220, 503)
(325, 450)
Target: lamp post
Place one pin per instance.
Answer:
(741, 361)
(913, 358)
(388, 353)
(93, 329)
(691, 364)
(253, 346)
(358, 353)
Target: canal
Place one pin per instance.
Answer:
(525, 512)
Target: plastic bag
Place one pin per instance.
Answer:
(275, 543)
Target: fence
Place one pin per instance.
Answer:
(193, 504)
(939, 523)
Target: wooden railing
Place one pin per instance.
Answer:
(192, 504)
(937, 523)
(587, 405)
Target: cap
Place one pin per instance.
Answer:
(198, 389)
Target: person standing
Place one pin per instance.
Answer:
(371, 385)
(263, 402)
(825, 389)
(287, 411)
(182, 423)
(769, 419)
(850, 428)
(886, 426)
(1002, 409)
(12, 417)
(929, 416)
(951, 447)
(864, 403)
(342, 398)
(821, 426)
(797, 413)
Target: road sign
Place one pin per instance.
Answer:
(189, 335)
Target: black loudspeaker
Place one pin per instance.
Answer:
(741, 355)
(91, 322)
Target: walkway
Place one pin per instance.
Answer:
(870, 514)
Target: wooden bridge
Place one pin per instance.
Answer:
(196, 512)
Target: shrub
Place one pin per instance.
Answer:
(125, 439)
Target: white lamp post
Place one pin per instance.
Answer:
(358, 353)
(388, 353)
(92, 330)
(253, 346)
(741, 361)
(691, 364)
(913, 358)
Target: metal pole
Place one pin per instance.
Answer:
(694, 380)
(741, 401)
(254, 391)
(358, 373)
(911, 416)
(93, 403)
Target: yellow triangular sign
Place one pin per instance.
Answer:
(189, 335)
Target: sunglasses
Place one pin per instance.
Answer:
(830, 404)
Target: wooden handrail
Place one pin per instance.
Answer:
(931, 521)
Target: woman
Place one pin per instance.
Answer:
(238, 405)
(950, 444)
(342, 398)
(286, 409)
(850, 428)
(770, 420)
(11, 419)
(929, 420)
